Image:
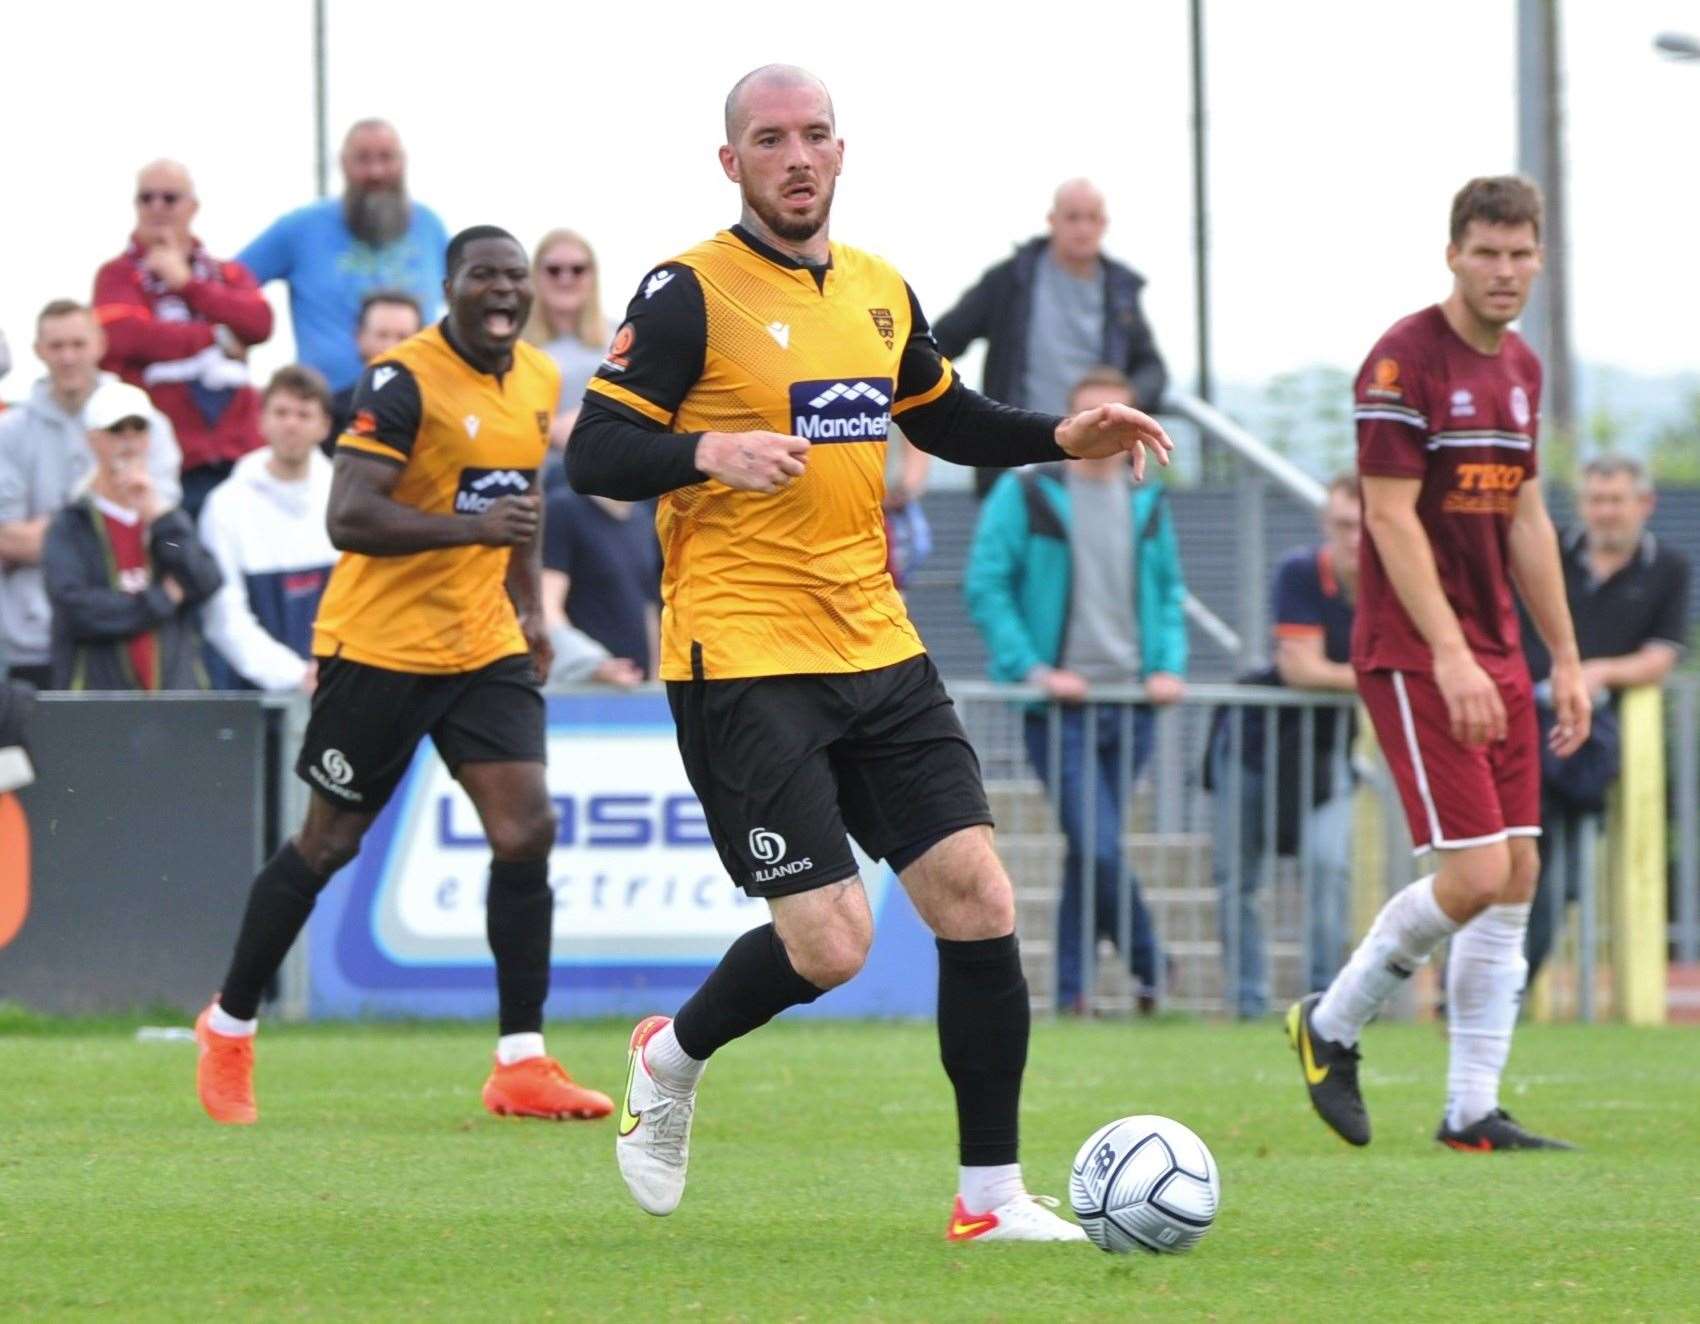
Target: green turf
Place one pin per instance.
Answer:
(375, 1187)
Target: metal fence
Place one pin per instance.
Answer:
(1280, 867)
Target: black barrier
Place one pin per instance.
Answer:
(146, 823)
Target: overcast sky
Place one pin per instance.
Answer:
(1338, 131)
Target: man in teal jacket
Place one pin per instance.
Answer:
(1074, 580)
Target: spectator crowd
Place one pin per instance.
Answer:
(162, 527)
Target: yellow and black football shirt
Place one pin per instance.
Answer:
(735, 337)
(463, 438)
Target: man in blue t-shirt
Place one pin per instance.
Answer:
(1314, 593)
(601, 588)
(333, 252)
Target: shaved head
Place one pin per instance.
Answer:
(768, 76)
(166, 174)
(1081, 192)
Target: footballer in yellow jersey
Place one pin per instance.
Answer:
(751, 388)
(431, 625)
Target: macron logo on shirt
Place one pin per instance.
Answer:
(381, 377)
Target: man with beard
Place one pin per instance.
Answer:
(752, 388)
(333, 252)
(432, 624)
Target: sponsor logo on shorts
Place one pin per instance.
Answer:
(769, 848)
(481, 488)
(851, 409)
(333, 772)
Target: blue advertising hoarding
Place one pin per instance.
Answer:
(643, 908)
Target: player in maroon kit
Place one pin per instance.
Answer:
(1446, 416)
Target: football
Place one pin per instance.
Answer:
(1145, 1183)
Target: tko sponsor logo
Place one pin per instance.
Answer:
(481, 488)
(1484, 489)
(851, 409)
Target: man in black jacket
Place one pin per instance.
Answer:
(1054, 310)
(124, 573)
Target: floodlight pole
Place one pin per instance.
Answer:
(321, 136)
(1200, 210)
(1540, 155)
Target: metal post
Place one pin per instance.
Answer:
(1200, 209)
(1540, 155)
(321, 132)
(1687, 749)
(1250, 499)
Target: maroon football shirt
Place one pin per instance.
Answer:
(1428, 406)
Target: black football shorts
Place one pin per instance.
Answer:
(785, 766)
(367, 721)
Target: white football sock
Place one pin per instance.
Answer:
(511, 1048)
(1409, 927)
(986, 1188)
(1485, 972)
(673, 1068)
(220, 1021)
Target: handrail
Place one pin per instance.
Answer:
(1215, 423)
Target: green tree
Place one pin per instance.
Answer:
(1675, 458)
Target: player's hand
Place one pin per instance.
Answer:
(536, 632)
(173, 590)
(618, 671)
(171, 266)
(1164, 687)
(1112, 428)
(509, 521)
(1473, 705)
(310, 677)
(1575, 709)
(752, 461)
(1063, 686)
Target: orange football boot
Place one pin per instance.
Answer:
(541, 1087)
(224, 1074)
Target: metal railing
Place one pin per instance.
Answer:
(1238, 890)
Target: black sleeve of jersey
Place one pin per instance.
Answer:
(960, 425)
(658, 352)
(387, 407)
(616, 452)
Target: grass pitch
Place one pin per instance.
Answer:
(375, 1187)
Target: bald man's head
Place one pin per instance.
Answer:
(1078, 219)
(165, 203)
(768, 76)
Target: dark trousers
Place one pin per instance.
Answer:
(1560, 824)
(1094, 782)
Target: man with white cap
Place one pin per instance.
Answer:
(45, 461)
(125, 571)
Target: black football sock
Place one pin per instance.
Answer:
(983, 1025)
(278, 905)
(753, 983)
(519, 918)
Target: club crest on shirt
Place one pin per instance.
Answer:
(884, 323)
(543, 424)
(1520, 406)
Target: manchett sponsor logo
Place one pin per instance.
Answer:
(847, 410)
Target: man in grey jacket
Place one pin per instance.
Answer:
(45, 461)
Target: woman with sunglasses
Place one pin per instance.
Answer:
(566, 320)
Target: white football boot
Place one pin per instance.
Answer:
(653, 1143)
(1025, 1218)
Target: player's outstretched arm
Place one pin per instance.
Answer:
(1539, 577)
(1473, 704)
(364, 517)
(1110, 429)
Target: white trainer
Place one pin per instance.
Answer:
(653, 1143)
(1025, 1218)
